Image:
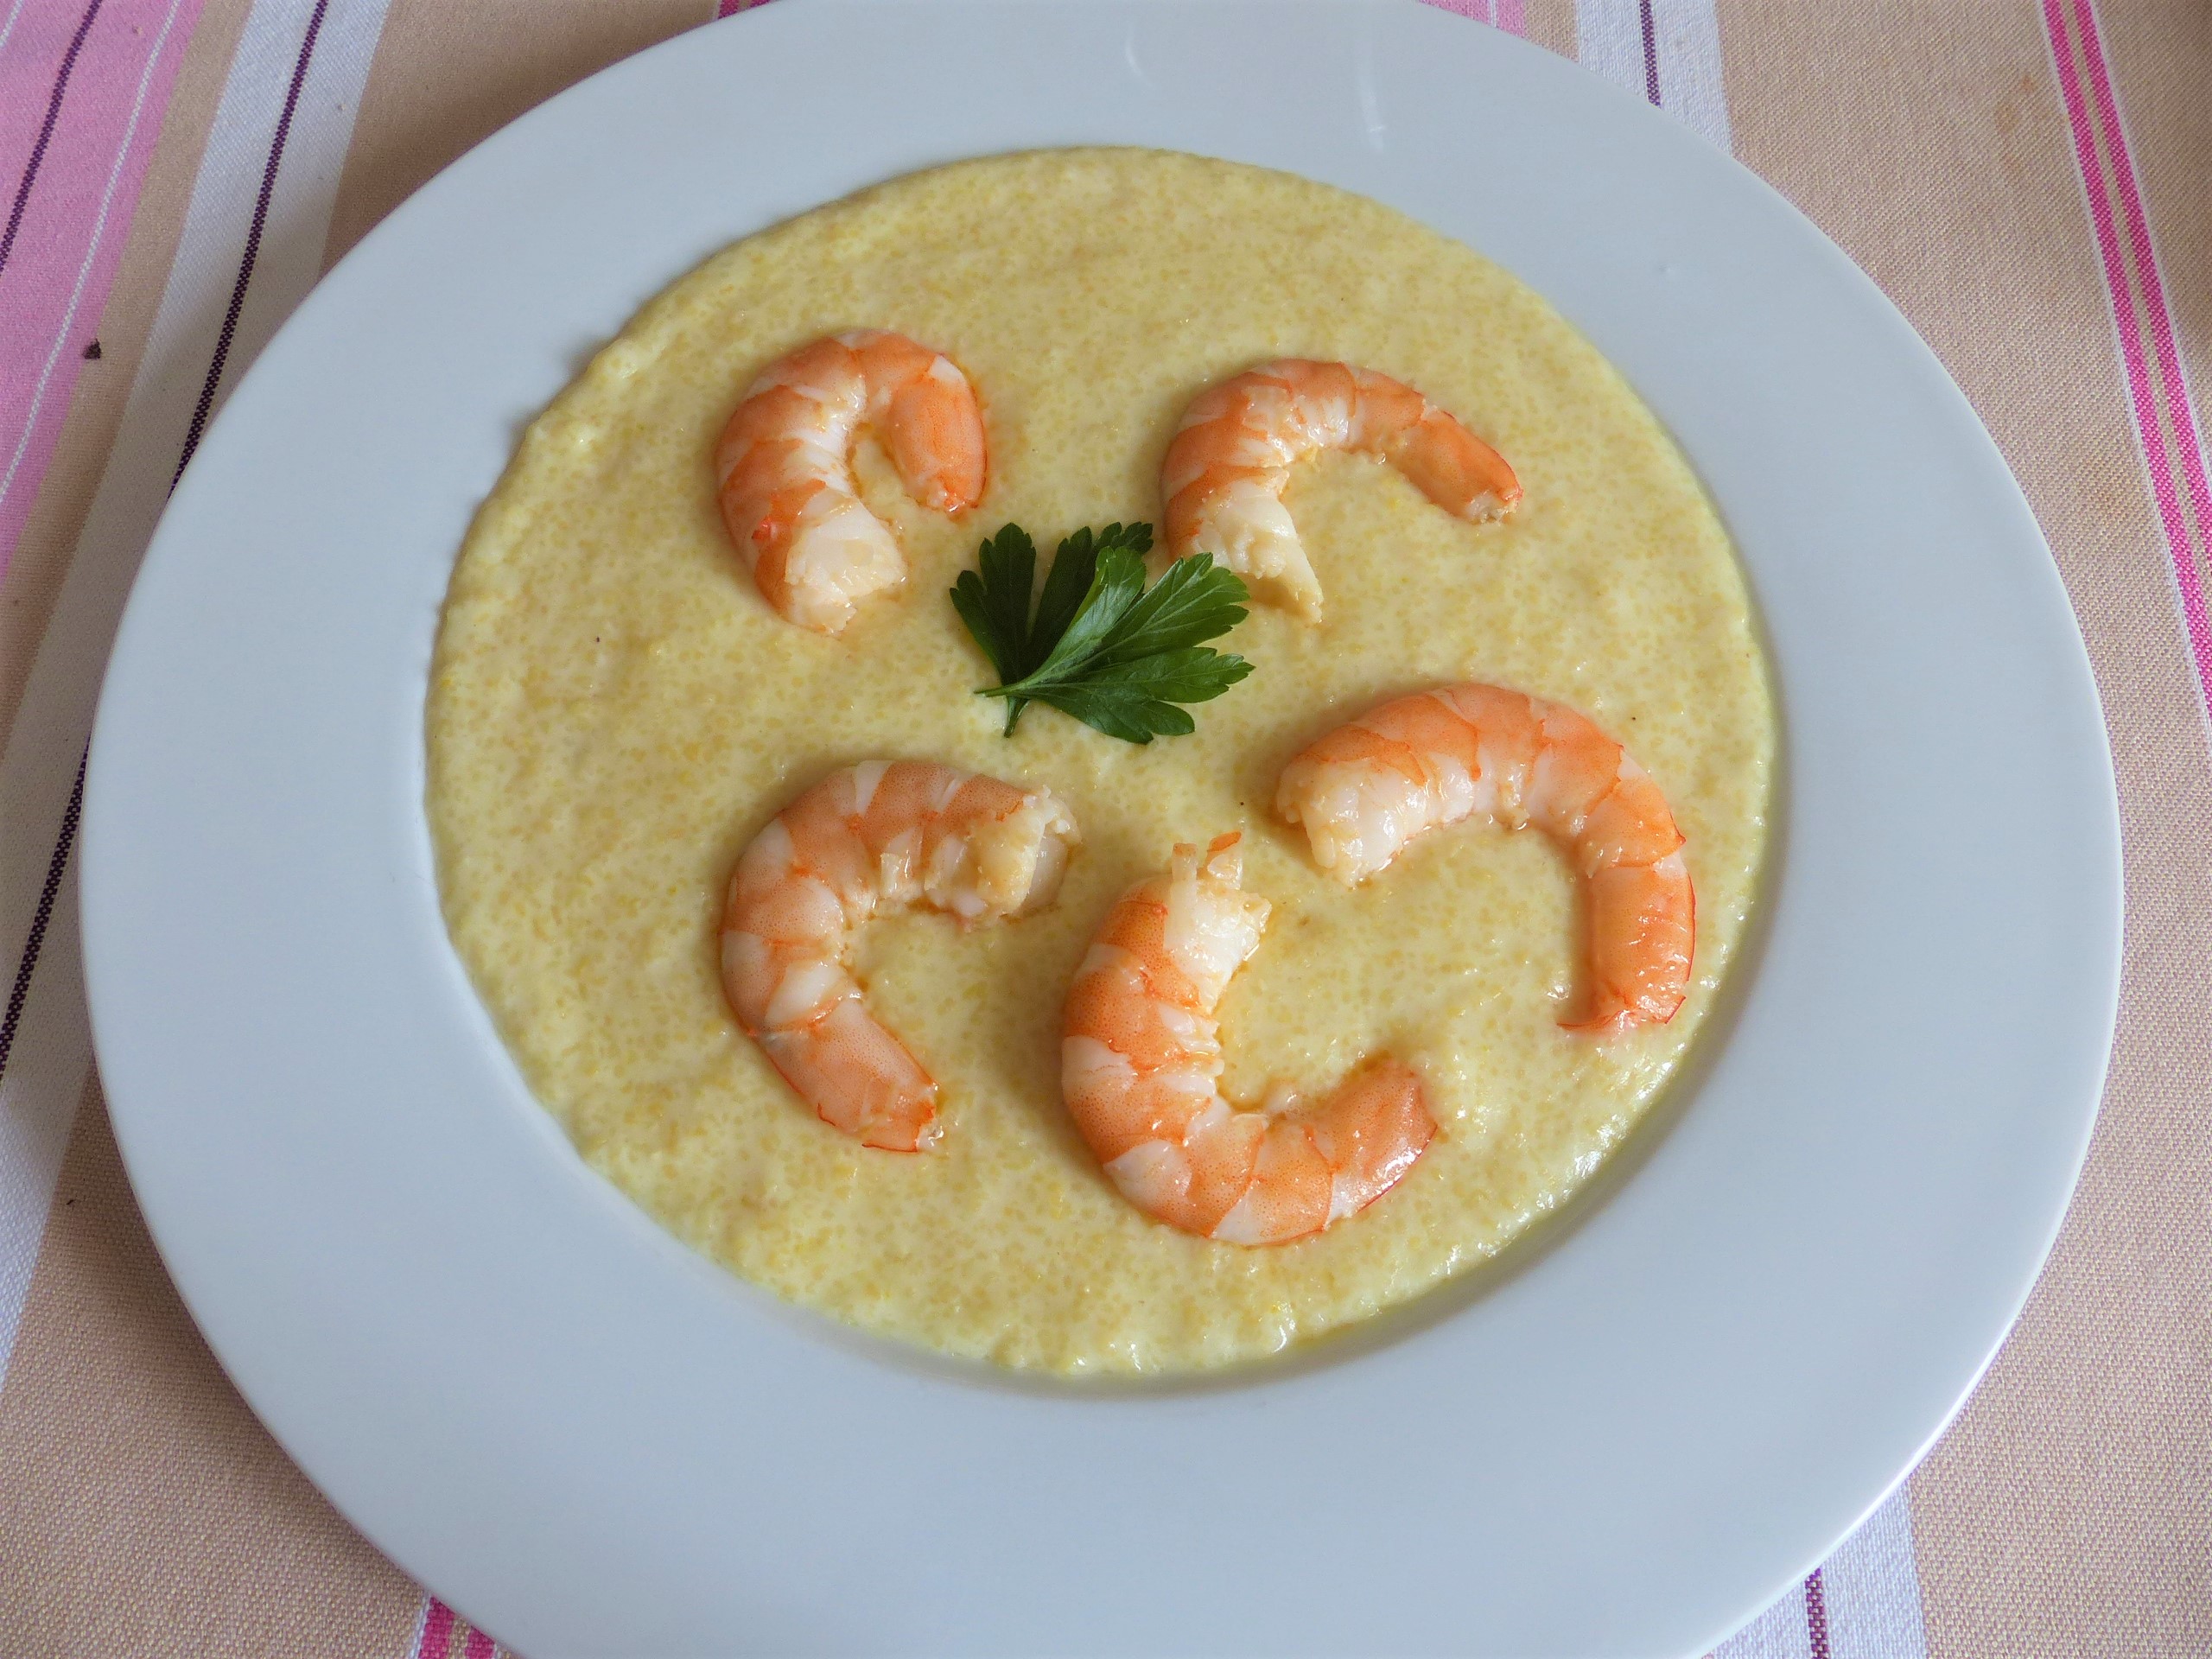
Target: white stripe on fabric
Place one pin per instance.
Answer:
(1683, 59)
(414, 1648)
(1609, 41)
(48, 1065)
(1780, 1632)
(1873, 1589)
(1870, 1593)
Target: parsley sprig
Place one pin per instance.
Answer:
(1101, 646)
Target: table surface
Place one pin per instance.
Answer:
(2024, 178)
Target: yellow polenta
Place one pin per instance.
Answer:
(614, 714)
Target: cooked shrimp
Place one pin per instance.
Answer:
(876, 836)
(1481, 752)
(785, 472)
(1230, 461)
(1141, 1063)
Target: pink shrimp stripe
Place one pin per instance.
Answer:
(2128, 319)
(76, 215)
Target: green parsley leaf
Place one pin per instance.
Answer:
(1195, 600)
(1116, 584)
(1073, 566)
(995, 603)
(1101, 647)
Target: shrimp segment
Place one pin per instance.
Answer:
(1230, 460)
(1368, 788)
(783, 467)
(1140, 1063)
(883, 836)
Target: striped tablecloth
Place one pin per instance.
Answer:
(2030, 180)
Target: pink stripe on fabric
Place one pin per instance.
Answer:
(8, 24)
(56, 95)
(437, 1631)
(76, 220)
(37, 51)
(479, 1645)
(1511, 15)
(2181, 412)
(2147, 426)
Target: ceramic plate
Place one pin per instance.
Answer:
(592, 1442)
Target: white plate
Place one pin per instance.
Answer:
(592, 1442)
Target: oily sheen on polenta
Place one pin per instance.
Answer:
(614, 714)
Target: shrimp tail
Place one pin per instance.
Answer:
(859, 1077)
(1642, 933)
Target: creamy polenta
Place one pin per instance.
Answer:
(614, 714)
